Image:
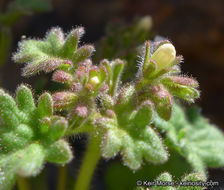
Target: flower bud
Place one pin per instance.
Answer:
(62, 77)
(94, 81)
(180, 80)
(164, 55)
(64, 100)
(81, 111)
(126, 94)
(162, 101)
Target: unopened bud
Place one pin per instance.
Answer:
(162, 101)
(63, 100)
(62, 77)
(94, 81)
(81, 111)
(164, 55)
(180, 80)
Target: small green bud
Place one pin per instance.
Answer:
(126, 94)
(107, 101)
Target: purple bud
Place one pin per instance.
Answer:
(76, 87)
(162, 101)
(110, 114)
(81, 111)
(64, 100)
(62, 76)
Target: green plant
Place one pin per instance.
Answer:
(138, 120)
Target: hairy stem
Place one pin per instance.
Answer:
(23, 184)
(62, 177)
(89, 164)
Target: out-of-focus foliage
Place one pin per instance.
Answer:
(200, 142)
(124, 41)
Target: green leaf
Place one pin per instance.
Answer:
(28, 134)
(133, 144)
(53, 52)
(59, 152)
(71, 42)
(8, 110)
(117, 68)
(45, 105)
(30, 160)
(25, 99)
(58, 128)
(202, 143)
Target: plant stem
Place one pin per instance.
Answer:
(23, 184)
(62, 177)
(89, 164)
